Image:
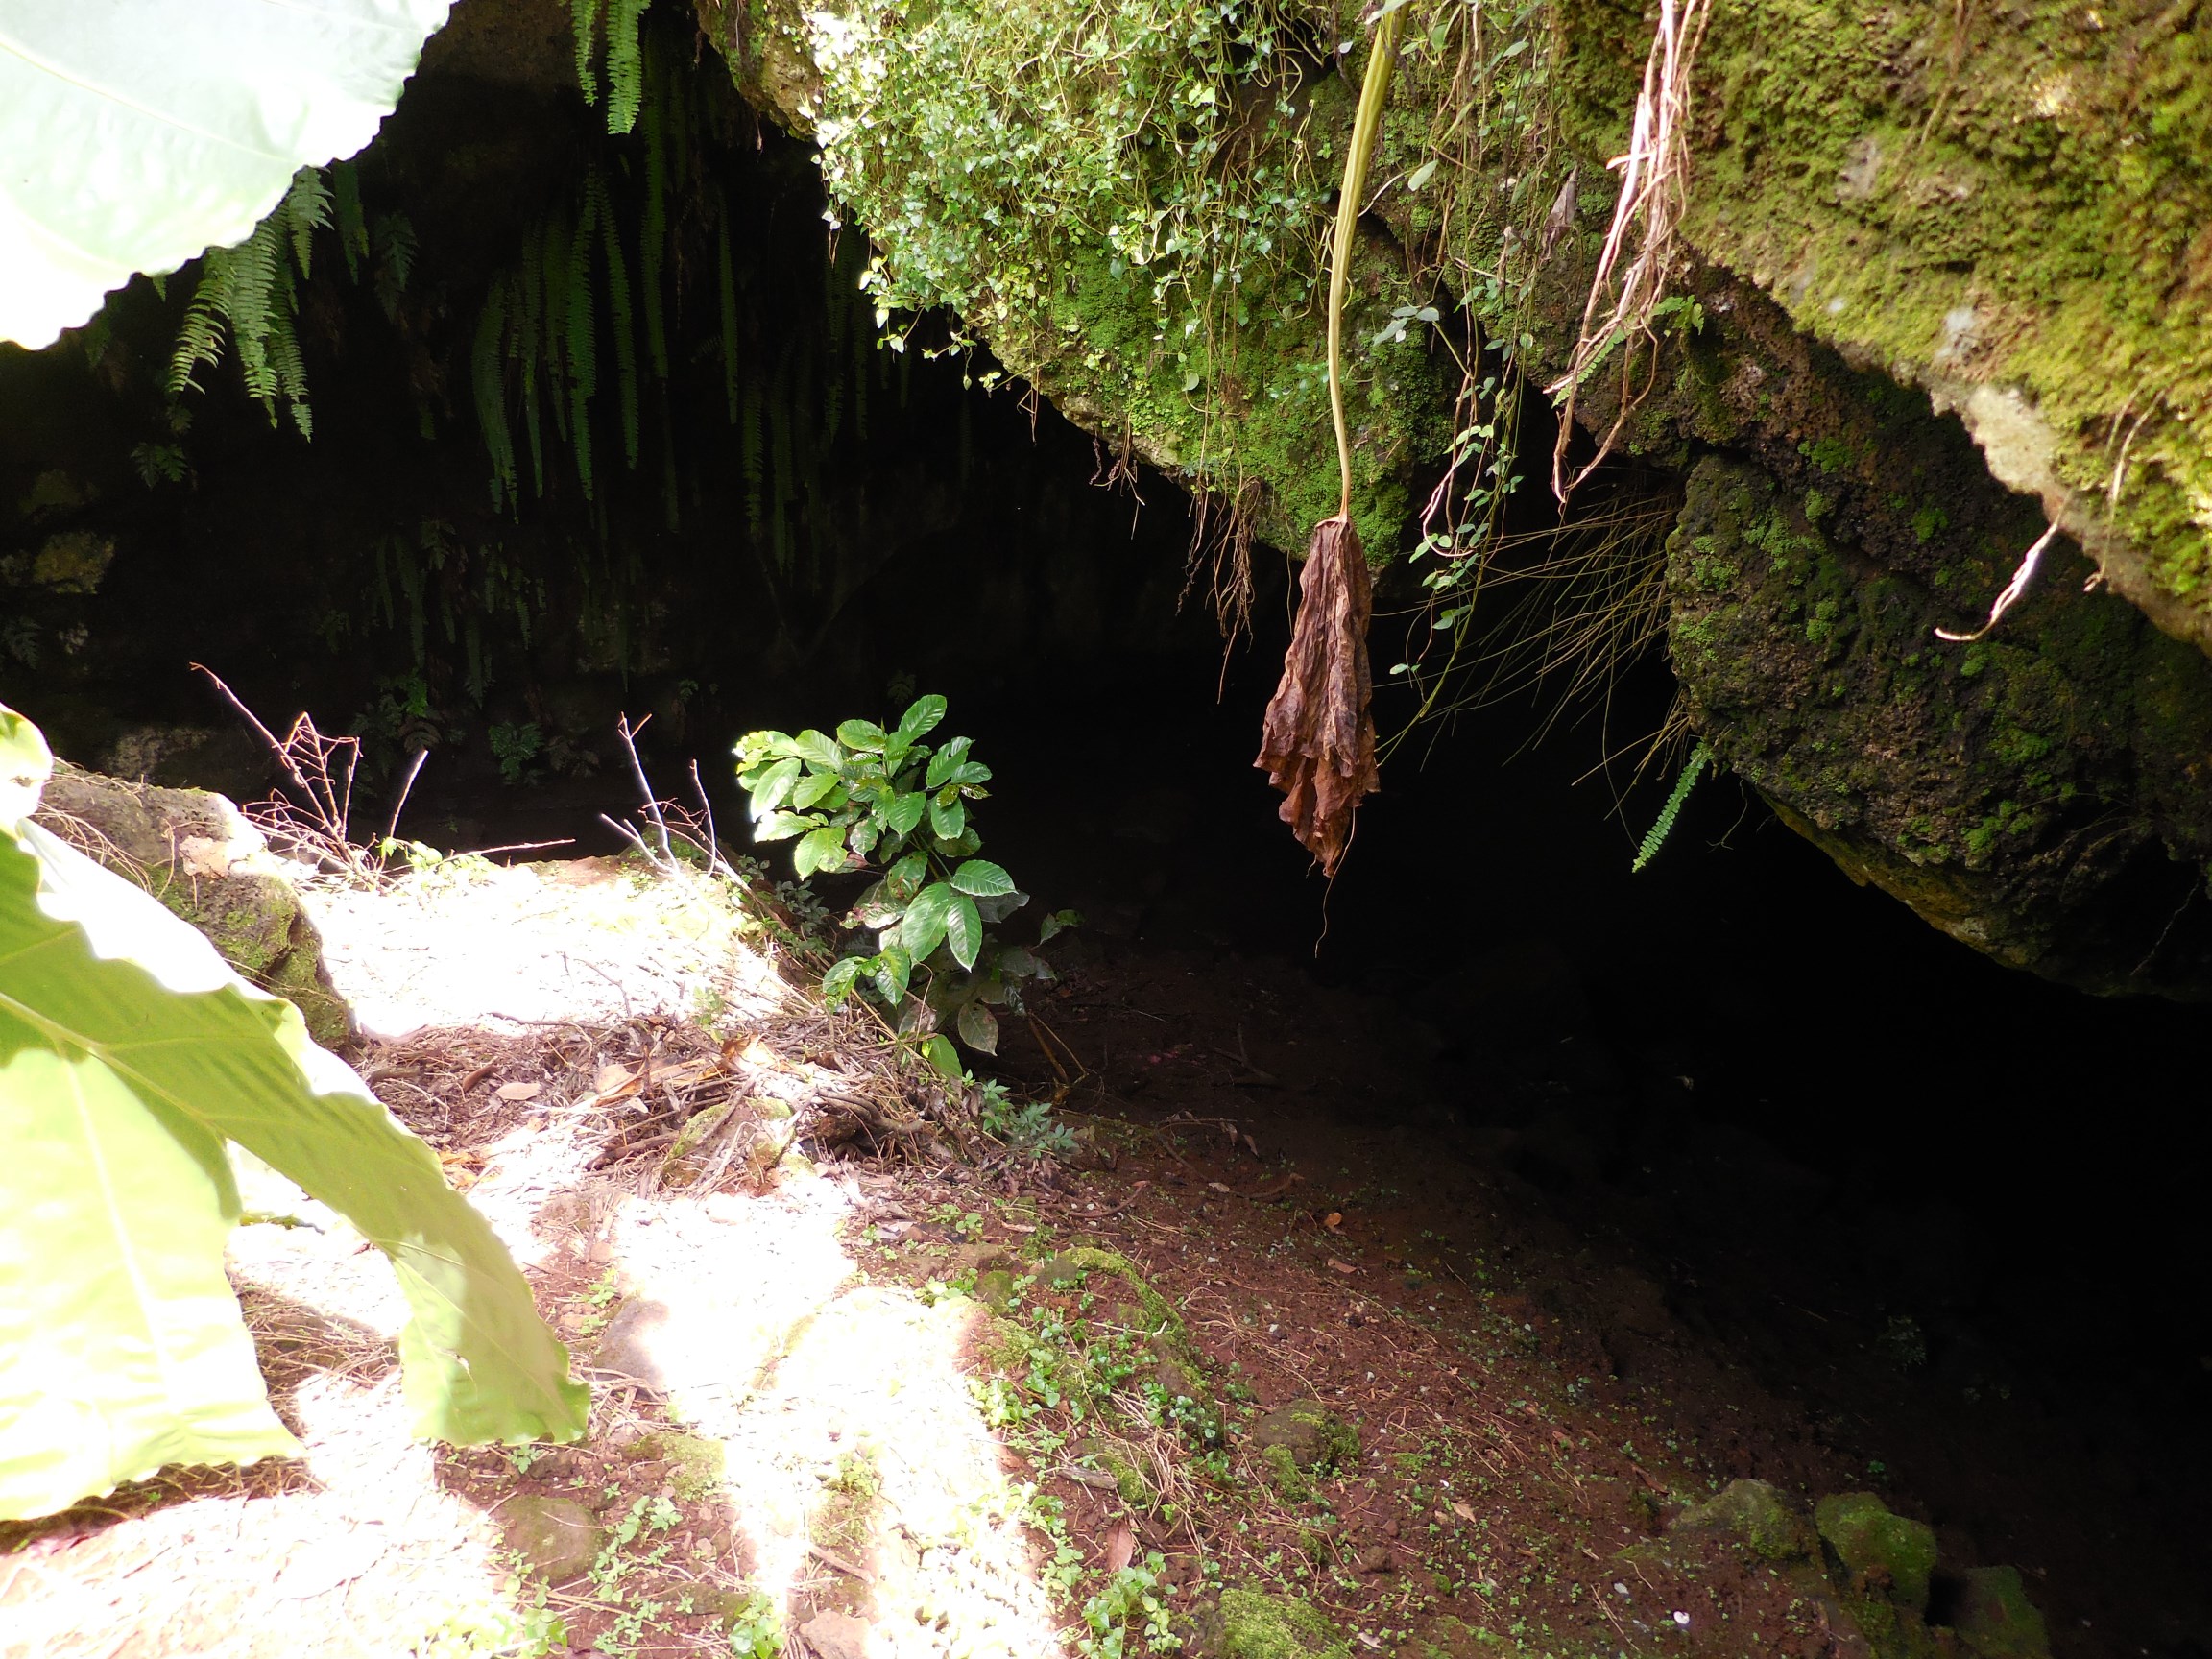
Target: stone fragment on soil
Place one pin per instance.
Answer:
(196, 852)
(836, 1635)
(1300, 1440)
(1884, 1555)
(629, 1345)
(557, 1536)
(1250, 1625)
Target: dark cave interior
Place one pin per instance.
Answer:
(2009, 1166)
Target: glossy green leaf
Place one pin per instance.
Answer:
(945, 1058)
(1060, 921)
(774, 786)
(1017, 963)
(981, 878)
(963, 929)
(904, 812)
(822, 849)
(923, 927)
(140, 133)
(128, 1053)
(782, 826)
(907, 875)
(947, 761)
(818, 750)
(920, 717)
(864, 735)
(948, 820)
(978, 1028)
(838, 984)
(815, 789)
(893, 968)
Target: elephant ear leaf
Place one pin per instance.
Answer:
(140, 133)
(128, 1054)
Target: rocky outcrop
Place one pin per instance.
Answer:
(1944, 282)
(196, 852)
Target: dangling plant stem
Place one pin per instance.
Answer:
(1317, 742)
(1367, 128)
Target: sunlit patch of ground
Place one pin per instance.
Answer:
(592, 940)
(853, 1482)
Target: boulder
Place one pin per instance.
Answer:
(1300, 1440)
(1884, 1556)
(1757, 1514)
(1994, 1618)
(196, 852)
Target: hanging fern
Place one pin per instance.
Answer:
(249, 291)
(1699, 758)
(624, 56)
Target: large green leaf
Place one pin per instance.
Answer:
(140, 133)
(128, 1053)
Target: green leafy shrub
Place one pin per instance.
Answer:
(886, 803)
(130, 1054)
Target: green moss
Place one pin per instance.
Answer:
(698, 1461)
(1894, 1554)
(1251, 1624)
(1289, 1482)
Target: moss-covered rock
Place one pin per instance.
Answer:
(2033, 794)
(2011, 218)
(1758, 1515)
(1994, 1618)
(1296, 1442)
(198, 854)
(1885, 1556)
(1252, 1624)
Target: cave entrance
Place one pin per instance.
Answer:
(1819, 1123)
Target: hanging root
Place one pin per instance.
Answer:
(1654, 175)
(2015, 591)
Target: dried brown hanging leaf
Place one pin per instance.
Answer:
(1318, 744)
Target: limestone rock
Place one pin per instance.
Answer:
(196, 852)
(1251, 1624)
(1884, 1555)
(1759, 1515)
(557, 1536)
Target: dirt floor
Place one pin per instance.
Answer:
(1233, 1322)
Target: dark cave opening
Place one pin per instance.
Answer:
(1781, 1083)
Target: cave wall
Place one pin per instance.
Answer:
(1948, 271)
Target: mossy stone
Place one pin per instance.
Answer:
(1252, 1624)
(995, 1289)
(1756, 1513)
(556, 1536)
(1883, 1554)
(1314, 1438)
(698, 1461)
(1995, 1618)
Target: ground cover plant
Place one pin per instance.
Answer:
(884, 802)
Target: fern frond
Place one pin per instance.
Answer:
(1699, 758)
(393, 237)
(489, 382)
(346, 211)
(625, 64)
(624, 325)
(305, 211)
(584, 21)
